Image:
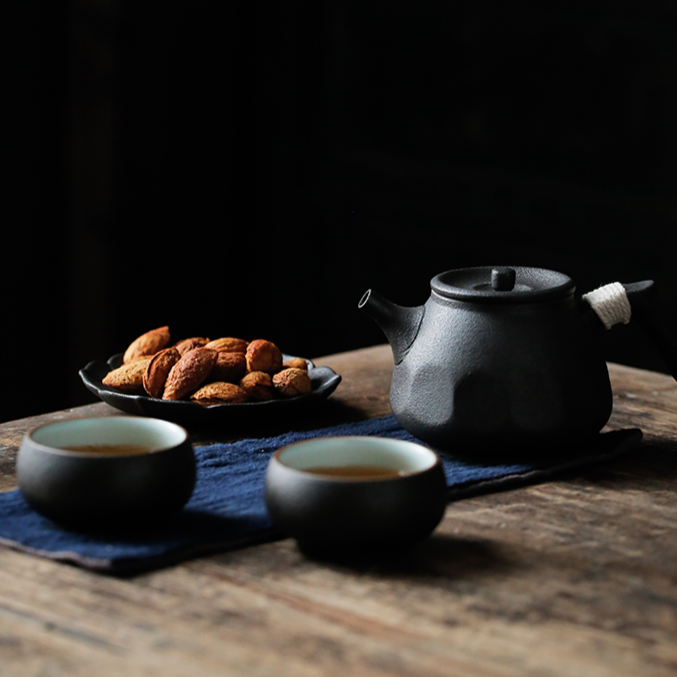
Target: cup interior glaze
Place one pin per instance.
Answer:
(329, 452)
(153, 433)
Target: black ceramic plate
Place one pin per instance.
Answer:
(324, 381)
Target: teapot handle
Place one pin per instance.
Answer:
(617, 302)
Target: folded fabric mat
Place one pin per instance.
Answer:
(227, 509)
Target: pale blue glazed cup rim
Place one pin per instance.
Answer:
(409, 457)
(157, 434)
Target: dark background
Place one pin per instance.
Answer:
(252, 170)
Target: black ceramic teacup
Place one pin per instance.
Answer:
(106, 472)
(354, 494)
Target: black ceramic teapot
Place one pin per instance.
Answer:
(505, 357)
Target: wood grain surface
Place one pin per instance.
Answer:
(573, 577)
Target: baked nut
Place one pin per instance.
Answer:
(220, 392)
(229, 367)
(147, 344)
(228, 345)
(292, 382)
(189, 373)
(158, 369)
(255, 369)
(188, 344)
(127, 378)
(259, 385)
(297, 363)
(263, 355)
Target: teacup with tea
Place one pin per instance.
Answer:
(355, 493)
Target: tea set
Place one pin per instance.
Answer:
(497, 359)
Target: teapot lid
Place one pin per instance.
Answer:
(517, 284)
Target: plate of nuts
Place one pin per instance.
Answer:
(201, 379)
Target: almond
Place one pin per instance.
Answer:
(127, 378)
(228, 345)
(263, 355)
(230, 367)
(297, 363)
(158, 369)
(258, 385)
(188, 344)
(189, 373)
(147, 344)
(220, 392)
(292, 382)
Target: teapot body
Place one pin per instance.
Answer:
(499, 375)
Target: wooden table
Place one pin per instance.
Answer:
(573, 577)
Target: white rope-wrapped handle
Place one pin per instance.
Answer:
(610, 303)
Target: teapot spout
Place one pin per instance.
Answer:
(398, 323)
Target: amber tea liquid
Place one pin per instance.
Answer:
(110, 449)
(357, 472)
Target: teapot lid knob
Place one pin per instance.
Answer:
(502, 284)
(503, 279)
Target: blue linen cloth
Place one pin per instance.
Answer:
(227, 508)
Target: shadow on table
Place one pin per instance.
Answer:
(652, 466)
(440, 555)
